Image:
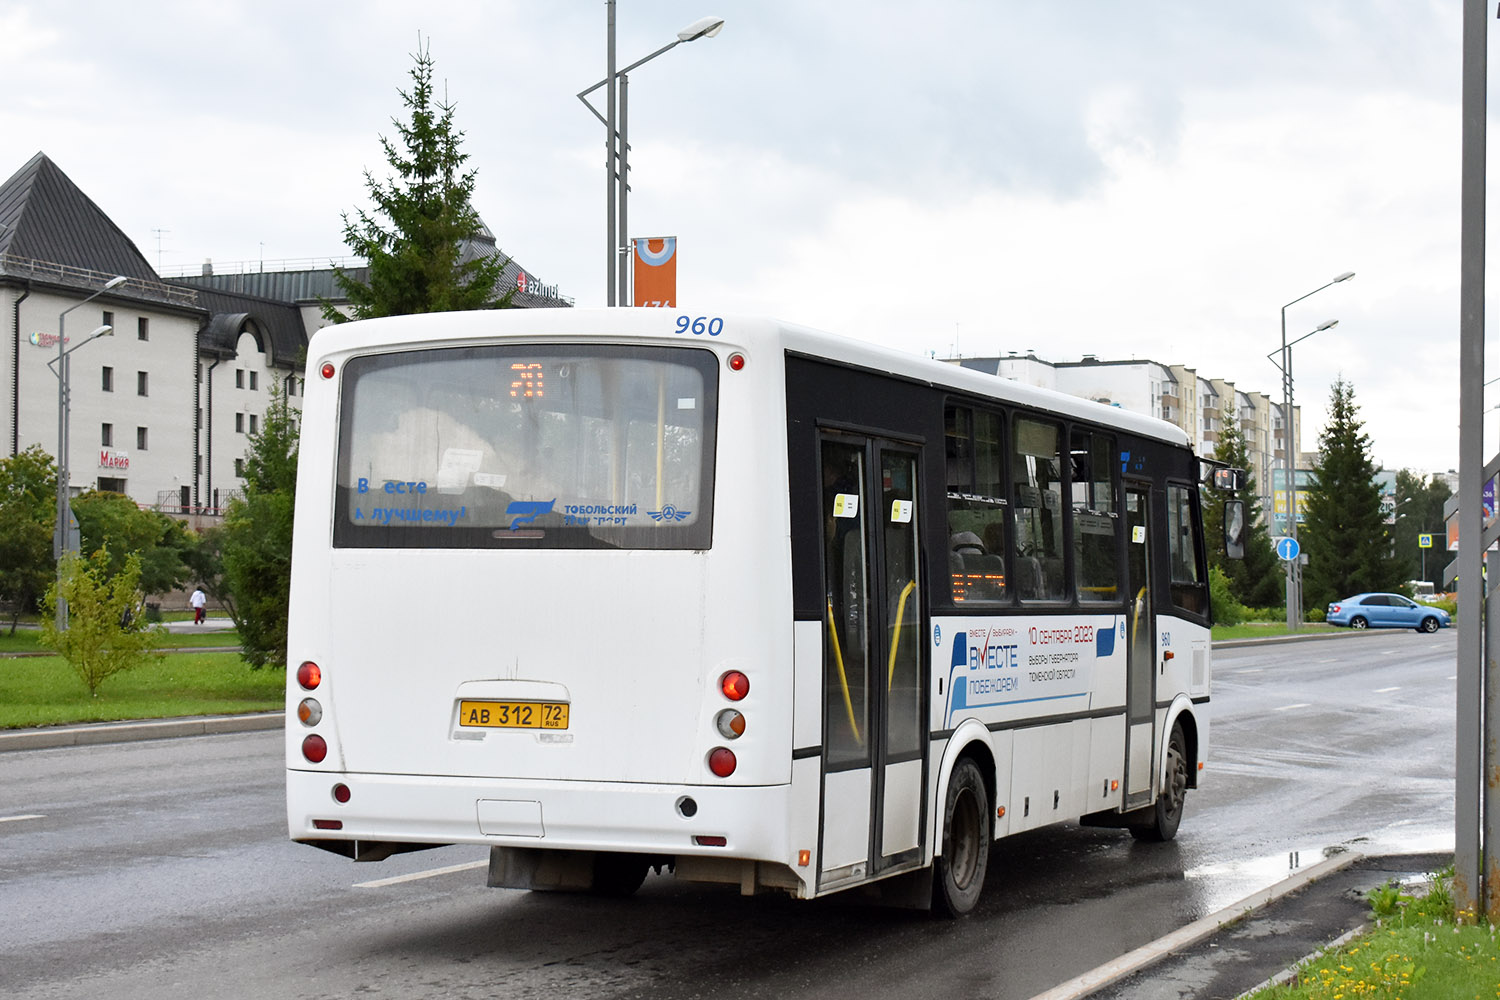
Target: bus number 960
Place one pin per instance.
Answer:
(700, 325)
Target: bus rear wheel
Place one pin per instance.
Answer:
(1166, 815)
(958, 873)
(619, 874)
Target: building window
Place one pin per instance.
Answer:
(254, 421)
(239, 467)
(140, 438)
(107, 383)
(143, 329)
(239, 423)
(111, 485)
(254, 380)
(291, 386)
(239, 378)
(109, 318)
(140, 384)
(107, 435)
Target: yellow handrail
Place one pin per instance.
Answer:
(896, 633)
(838, 658)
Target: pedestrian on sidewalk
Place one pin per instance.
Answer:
(198, 600)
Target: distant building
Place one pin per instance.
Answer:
(161, 410)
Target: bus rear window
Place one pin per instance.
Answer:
(527, 447)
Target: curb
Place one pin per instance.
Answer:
(1275, 640)
(124, 732)
(1198, 930)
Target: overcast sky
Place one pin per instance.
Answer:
(1152, 179)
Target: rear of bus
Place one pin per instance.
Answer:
(530, 600)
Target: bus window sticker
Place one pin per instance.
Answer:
(901, 511)
(494, 480)
(458, 465)
(846, 505)
(687, 403)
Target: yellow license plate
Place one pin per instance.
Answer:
(513, 714)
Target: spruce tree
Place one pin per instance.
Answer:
(1258, 580)
(414, 258)
(1419, 510)
(1347, 541)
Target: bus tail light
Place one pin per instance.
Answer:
(721, 761)
(735, 685)
(310, 712)
(315, 749)
(341, 793)
(711, 841)
(328, 824)
(731, 724)
(309, 675)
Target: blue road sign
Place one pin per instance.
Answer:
(1287, 548)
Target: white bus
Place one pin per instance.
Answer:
(607, 590)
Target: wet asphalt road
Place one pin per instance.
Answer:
(161, 869)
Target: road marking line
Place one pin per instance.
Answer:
(17, 819)
(1387, 690)
(1453, 678)
(1300, 704)
(433, 873)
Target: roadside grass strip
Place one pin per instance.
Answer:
(44, 690)
(1414, 950)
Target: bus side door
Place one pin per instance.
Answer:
(1140, 685)
(873, 654)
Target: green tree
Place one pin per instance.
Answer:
(1419, 510)
(1258, 580)
(205, 561)
(415, 256)
(106, 633)
(114, 522)
(28, 512)
(256, 545)
(1347, 541)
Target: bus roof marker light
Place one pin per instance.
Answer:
(736, 362)
(327, 370)
(735, 685)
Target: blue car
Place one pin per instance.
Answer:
(1386, 611)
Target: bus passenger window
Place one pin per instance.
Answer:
(1185, 551)
(1096, 517)
(977, 511)
(1037, 477)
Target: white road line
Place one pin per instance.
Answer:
(17, 819)
(1300, 704)
(382, 882)
(1249, 670)
(1331, 659)
(1387, 690)
(1453, 678)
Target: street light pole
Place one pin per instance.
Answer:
(617, 149)
(62, 537)
(1289, 458)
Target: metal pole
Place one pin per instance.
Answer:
(60, 536)
(609, 161)
(624, 234)
(1288, 474)
(1469, 889)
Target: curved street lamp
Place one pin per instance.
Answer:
(616, 105)
(62, 537)
(1289, 458)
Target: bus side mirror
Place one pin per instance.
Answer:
(1234, 529)
(1228, 480)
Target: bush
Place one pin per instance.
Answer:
(1226, 607)
(1315, 615)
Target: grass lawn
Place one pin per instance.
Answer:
(1270, 630)
(44, 690)
(29, 640)
(1415, 951)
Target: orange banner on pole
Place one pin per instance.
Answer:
(656, 271)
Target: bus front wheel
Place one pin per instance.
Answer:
(1166, 815)
(958, 875)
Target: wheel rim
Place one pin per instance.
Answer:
(1358, 623)
(963, 860)
(1429, 625)
(1176, 777)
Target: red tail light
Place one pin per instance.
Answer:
(721, 761)
(309, 675)
(735, 685)
(315, 748)
(1335, 609)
